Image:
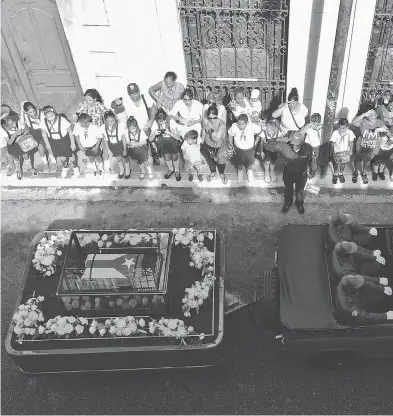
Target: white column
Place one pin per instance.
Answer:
(171, 39)
(298, 39)
(325, 54)
(355, 58)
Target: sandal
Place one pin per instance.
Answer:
(178, 176)
(354, 177)
(365, 179)
(190, 177)
(33, 172)
(224, 179)
(120, 176)
(19, 175)
(211, 176)
(169, 174)
(150, 176)
(127, 176)
(200, 178)
(142, 176)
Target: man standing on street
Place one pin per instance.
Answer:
(298, 156)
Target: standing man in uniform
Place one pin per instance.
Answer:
(298, 157)
(358, 295)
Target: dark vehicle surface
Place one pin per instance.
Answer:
(297, 298)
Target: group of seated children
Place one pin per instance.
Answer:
(361, 292)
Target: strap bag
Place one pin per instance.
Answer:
(293, 117)
(27, 142)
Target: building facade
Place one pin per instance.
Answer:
(53, 50)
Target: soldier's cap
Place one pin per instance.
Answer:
(132, 88)
(356, 280)
(297, 138)
(342, 219)
(346, 247)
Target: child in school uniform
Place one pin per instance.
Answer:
(343, 139)
(192, 154)
(88, 137)
(112, 131)
(313, 134)
(135, 145)
(256, 105)
(7, 160)
(58, 131)
(14, 134)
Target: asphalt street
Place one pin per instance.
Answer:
(257, 377)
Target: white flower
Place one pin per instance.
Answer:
(141, 322)
(210, 236)
(59, 253)
(79, 329)
(100, 243)
(18, 330)
(201, 336)
(175, 231)
(41, 329)
(182, 231)
(112, 330)
(172, 324)
(116, 239)
(104, 237)
(190, 329)
(102, 331)
(201, 237)
(187, 314)
(185, 241)
(127, 331)
(108, 243)
(92, 330)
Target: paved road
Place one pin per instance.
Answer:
(256, 378)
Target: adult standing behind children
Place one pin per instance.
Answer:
(93, 105)
(292, 114)
(167, 92)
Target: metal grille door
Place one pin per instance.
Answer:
(378, 76)
(230, 43)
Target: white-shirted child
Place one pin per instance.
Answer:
(89, 137)
(192, 154)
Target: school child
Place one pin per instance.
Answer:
(256, 105)
(14, 135)
(135, 145)
(58, 131)
(88, 137)
(343, 139)
(271, 131)
(313, 134)
(6, 158)
(32, 117)
(112, 131)
(379, 161)
(192, 154)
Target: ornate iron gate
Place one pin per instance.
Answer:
(230, 43)
(378, 76)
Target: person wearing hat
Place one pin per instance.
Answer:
(240, 104)
(214, 99)
(141, 107)
(298, 158)
(256, 105)
(343, 227)
(358, 296)
(348, 258)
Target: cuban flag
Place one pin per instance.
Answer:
(113, 266)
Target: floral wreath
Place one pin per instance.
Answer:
(29, 319)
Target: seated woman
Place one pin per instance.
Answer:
(342, 227)
(349, 258)
(353, 299)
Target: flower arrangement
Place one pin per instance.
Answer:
(47, 254)
(30, 321)
(202, 259)
(122, 239)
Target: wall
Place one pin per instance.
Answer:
(123, 41)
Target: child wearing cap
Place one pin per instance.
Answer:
(58, 131)
(135, 145)
(342, 140)
(256, 105)
(349, 258)
(192, 154)
(240, 104)
(342, 227)
(88, 137)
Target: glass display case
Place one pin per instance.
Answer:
(107, 271)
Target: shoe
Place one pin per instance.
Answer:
(156, 161)
(76, 173)
(19, 175)
(365, 179)
(354, 177)
(127, 176)
(33, 172)
(300, 208)
(381, 176)
(53, 167)
(285, 209)
(169, 174)
(64, 172)
(178, 176)
(334, 180)
(120, 176)
(224, 179)
(342, 179)
(100, 173)
(211, 176)
(200, 178)
(45, 169)
(190, 177)
(374, 176)
(10, 171)
(142, 176)
(95, 173)
(239, 176)
(250, 175)
(268, 179)
(150, 176)
(273, 176)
